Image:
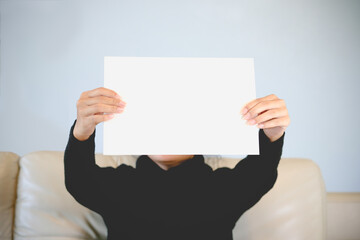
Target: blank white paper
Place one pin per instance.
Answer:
(180, 106)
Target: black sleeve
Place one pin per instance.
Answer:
(88, 183)
(245, 184)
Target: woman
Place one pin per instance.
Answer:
(171, 196)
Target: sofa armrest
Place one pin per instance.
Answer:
(343, 215)
(9, 169)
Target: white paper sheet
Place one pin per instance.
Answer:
(180, 106)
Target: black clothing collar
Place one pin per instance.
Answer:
(144, 163)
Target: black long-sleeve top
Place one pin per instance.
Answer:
(188, 201)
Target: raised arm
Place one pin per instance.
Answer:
(255, 175)
(89, 184)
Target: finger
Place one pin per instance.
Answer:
(101, 91)
(98, 108)
(102, 118)
(102, 99)
(263, 106)
(251, 104)
(267, 115)
(276, 122)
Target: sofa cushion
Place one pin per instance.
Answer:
(44, 208)
(9, 167)
(295, 208)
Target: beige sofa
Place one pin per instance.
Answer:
(34, 203)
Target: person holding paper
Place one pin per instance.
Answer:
(171, 196)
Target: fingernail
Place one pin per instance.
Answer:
(243, 111)
(260, 125)
(251, 122)
(247, 116)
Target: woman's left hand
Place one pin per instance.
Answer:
(269, 113)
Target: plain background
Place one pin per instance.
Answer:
(306, 52)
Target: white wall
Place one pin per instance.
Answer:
(306, 52)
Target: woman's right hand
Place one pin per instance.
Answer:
(93, 107)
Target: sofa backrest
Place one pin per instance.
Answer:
(44, 208)
(293, 209)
